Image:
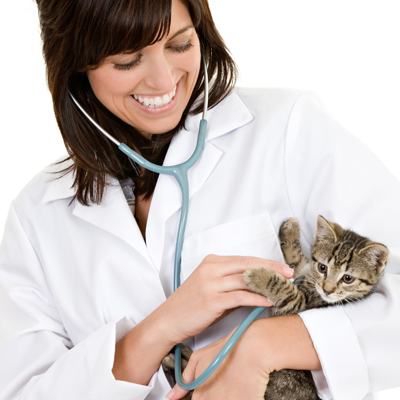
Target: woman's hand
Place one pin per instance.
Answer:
(240, 376)
(267, 345)
(214, 288)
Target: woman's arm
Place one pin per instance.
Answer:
(267, 345)
(214, 287)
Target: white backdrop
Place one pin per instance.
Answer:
(345, 50)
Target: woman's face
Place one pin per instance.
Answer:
(151, 88)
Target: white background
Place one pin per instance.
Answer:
(345, 50)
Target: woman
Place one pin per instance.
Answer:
(97, 286)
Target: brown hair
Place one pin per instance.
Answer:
(81, 33)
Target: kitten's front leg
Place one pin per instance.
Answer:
(287, 298)
(289, 236)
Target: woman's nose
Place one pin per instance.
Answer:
(160, 75)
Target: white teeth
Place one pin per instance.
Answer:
(156, 101)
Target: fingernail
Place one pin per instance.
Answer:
(170, 394)
(289, 271)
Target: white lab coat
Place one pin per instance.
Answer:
(83, 276)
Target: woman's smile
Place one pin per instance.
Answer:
(155, 102)
(157, 105)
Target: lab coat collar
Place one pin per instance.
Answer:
(113, 214)
(227, 116)
(60, 187)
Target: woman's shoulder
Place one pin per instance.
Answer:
(269, 92)
(51, 181)
(264, 99)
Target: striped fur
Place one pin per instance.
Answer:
(345, 267)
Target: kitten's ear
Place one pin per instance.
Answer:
(378, 253)
(327, 231)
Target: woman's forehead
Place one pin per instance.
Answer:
(172, 22)
(125, 27)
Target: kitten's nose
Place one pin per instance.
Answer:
(328, 289)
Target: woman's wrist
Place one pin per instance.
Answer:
(282, 343)
(139, 353)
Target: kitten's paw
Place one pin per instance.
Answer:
(257, 280)
(289, 235)
(274, 287)
(168, 364)
(186, 352)
(289, 230)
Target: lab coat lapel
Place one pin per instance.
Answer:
(112, 215)
(167, 199)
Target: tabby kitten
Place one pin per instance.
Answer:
(345, 267)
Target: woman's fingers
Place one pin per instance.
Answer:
(176, 393)
(232, 282)
(239, 264)
(188, 375)
(243, 298)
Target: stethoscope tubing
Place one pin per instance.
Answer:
(180, 173)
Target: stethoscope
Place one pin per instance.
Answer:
(180, 172)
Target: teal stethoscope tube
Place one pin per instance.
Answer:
(180, 173)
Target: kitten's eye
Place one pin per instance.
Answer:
(322, 268)
(348, 279)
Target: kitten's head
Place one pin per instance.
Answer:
(345, 265)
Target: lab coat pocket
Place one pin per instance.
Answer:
(252, 236)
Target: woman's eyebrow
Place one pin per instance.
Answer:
(181, 31)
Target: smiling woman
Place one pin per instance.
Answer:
(87, 255)
(135, 49)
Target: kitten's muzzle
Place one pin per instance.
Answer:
(328, 289)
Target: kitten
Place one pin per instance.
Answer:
(168, 365)
(345, 267)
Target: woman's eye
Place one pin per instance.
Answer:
(125, 67)
(348, 279)
(322, 268)
(181, 49)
